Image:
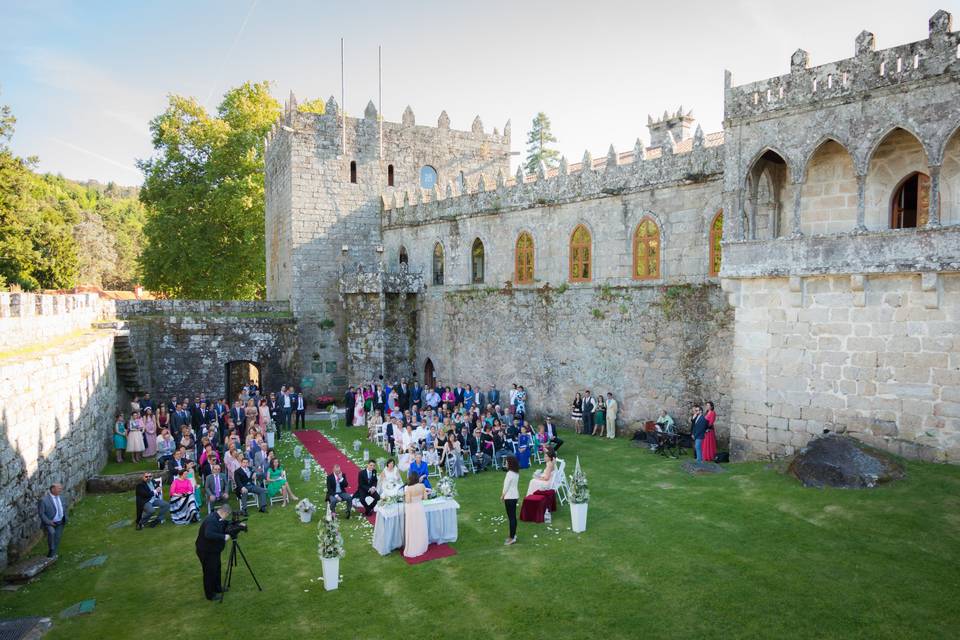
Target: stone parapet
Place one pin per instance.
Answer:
(27, 318)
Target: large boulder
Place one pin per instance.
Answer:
(121, 483)
(840, 461)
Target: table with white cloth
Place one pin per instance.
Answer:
(441, 524)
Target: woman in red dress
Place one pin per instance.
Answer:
(710, 439)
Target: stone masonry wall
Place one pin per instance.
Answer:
(653, 347)
(27, 318)
(183, 346)
(877, 357)
(56, 416)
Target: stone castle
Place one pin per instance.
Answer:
(799, 267)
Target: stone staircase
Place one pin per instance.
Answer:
(128, 372)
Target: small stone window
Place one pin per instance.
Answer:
(646, 250)
(523, 259)
(428, 177)
(438, 264)
(353, 172)
(716, 237)
(910, 206)
(404, 259)
(389, 175)
(476, 262)
(580, 254)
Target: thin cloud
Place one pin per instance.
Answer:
(233, 45)
(94, 154)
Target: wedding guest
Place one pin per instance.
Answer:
(698, 430)
(250, 414)
(520, 402)
(244, 482)
(135, 445)
(194, 477)
(510, 495)
(149, 433)
(576, 413)
(163, 418)
(263, 412)
(367, 493)
(542, 480)
(301, 411)
(710, 438)
(415, 519)
(553, 435)
(277, 482)
(612, 408)
(600, 417)
(176, 464)
(350, 403)
(150, 502)
(215, 486)
(337, 490)
(453, 457)
(588, 406)
(119, 436)
(359, 414)
(183, 501)
(419, 469)
(53, 517)
(665, 422)
(166, 445)
(524, 447)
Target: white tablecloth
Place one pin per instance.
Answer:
(441, 524)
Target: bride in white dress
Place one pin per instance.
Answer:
(390, 481)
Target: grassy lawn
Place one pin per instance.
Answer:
(747, 554)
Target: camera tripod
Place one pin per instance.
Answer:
(235, 550)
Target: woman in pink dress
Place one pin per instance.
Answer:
(358, 414)
(710, 439)
(149, 433)
(415, 518)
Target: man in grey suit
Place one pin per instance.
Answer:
(215, 486)
(53, 517)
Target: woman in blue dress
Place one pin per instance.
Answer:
(468, 397)
(524, 442)
(119, 437)
(419, 468)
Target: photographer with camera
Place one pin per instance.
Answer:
(210, 542)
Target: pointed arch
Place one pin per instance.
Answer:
(438, 264)
(477, 259)
(950, 179)
(768, 193)
(828, 202)
(716, 248)
(523, 258)
(646, 250)
(581, 254)
(892, 198)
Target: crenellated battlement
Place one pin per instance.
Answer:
(867, 71)
(29, 317)
(694, 159)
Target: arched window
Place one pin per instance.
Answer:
(403, 256)
(353, 171)
(580, 254)
(523, 259)
(389, 175)
(428, 177)
(646, 250)
(476, 262)
(716, 236)
(910, 206)
(438, 263)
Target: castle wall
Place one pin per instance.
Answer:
(57, 409)
(651, 348)
(183, 347)
(829, 194)
(950, 182)
(27, 318)
(876, 357)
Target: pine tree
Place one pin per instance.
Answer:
(538, 140)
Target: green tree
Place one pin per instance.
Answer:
(316, 105)
(538, 145)
(204, 188)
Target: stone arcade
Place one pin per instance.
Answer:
(799, 267)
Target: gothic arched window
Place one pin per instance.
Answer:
(716, 237)
(523, 259)
(438, 263)
(646, 250)
(476, 262)
(910, 206)
(580, 254)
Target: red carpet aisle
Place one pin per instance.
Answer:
(327, 455)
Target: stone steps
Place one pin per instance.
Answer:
(128, 370)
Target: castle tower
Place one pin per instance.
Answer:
(677, 126)
(326, 179)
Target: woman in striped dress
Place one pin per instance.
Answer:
(576, 414)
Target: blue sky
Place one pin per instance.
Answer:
(84, 78)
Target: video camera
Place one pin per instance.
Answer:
(237, 524)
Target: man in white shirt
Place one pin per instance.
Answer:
(433, 399)
(53, 517)
(420, 433)
(287, 402)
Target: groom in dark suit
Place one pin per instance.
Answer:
(367, 488)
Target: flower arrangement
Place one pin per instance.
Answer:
(324, 400)
(305, 506)
(390, 498)
(356, 445)
(579, 492)
(446, 488)
(329, 537)
(381, 463)
(271, 427)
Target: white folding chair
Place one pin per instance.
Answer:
(559, 482)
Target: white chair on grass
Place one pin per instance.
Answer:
(559, 482)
